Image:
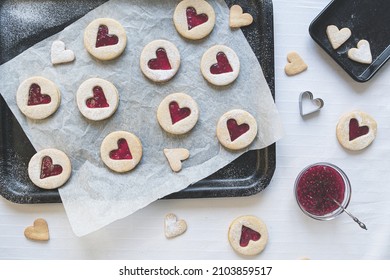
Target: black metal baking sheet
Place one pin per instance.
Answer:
(367, 19)
(247, 175)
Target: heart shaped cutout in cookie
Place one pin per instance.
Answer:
(194, 19)
(222, 65)
(356, 131)
(59, 54)
(177, 113)
(175, 157)
(236, 130)
(309, 105)
(48, 169)
(35, 97)
(295, 64)
(161, 62)
(123, 152)
(362, 53)
(104, 39)
(38, 231)
(248, 234)
(238, 18)
(98, 100)
(337, 37)
(174, 227)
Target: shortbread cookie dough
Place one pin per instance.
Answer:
(105, 38)
(238, 18)
(160, 60)
(59, 54)
(38, 98)
(337, 37)
(236, 129)
(39, 231)
(356, 130)
(49, 169)
(220, 65)
(295, 64)
(97, 99)
(248, 235)
(121, 151)
(362, 53)
(175, 157)
(194, 19)
(174, 227)
(178, 113)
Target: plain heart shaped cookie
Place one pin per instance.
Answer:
(309, 105)
(194, 19)
(174, 227)
(238, 18)
(175, 157)
(362, 53)
(39, 231)
(337, 37)
(248, 235)
(356, 130)
(59, 54)
(121, 151)
(295, 64)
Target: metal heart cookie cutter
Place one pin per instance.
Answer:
(308, 105)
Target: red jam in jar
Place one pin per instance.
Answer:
(317, 186)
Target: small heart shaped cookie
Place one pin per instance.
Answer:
(238, 18)
(59, 54)
(38, 231)
(296, 64)
(175, 157)
(174, 227)
(362, 53)
(337, 37)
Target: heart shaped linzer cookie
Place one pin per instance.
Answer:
(362, 53)
(38, 231)
(238, 18)
(295, 64)
(337, 37)
(174, 227)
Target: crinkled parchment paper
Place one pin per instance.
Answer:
(94, 196)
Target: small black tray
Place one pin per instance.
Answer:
(367, 19)
(247, 175)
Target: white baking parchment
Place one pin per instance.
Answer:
(94, 196)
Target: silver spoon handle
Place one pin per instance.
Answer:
(362, 225)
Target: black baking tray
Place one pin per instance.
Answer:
(367, 19)
(247, 175)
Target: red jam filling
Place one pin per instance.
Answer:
(123, 151)
(222, 65)
(194, 19)
(355, 131)
(98, 100)
(248, 234)
(236, 130)
(177, 113)
(49, 169)
(317, 186)
(104, 39)
(161, 62)
(35, 97)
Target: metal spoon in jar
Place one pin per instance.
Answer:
(363, 226)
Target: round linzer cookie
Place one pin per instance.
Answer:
(160, 60)
(220, 65)
(178, 113)
(38, 98)
(356, 130)
(236, 129)
(194, 19)
(121, 151)
(49, 169)
(248, 235)
(97, 99)
(105, 38)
